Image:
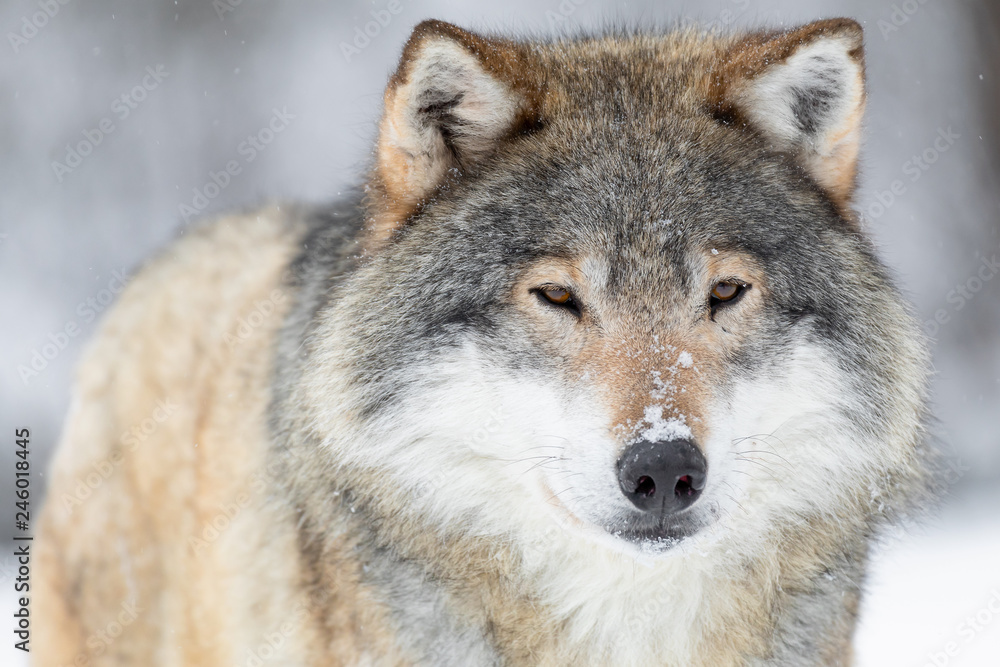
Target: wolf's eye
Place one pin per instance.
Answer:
(725, 292)
(559, 296)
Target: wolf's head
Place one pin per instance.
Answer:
(615, 282)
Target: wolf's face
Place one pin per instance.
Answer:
(631, 298)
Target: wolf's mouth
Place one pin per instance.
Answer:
(644, 531)
(655, 536)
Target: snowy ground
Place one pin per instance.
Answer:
(936, 590)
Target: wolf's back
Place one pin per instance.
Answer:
(147, 514)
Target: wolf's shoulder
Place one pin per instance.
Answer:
(202, 279)
(197, 307)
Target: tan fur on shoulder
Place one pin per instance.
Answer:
(179, 506)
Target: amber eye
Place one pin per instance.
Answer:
(726, 290)
(559, 296)
(725, 293)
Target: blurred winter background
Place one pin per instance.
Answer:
(114, 113)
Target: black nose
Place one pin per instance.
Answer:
(662, 477)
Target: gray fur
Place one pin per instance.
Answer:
(633, 173)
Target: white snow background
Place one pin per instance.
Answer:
(932, 69)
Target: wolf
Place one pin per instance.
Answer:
(599, 368)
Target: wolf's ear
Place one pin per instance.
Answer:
(455, 97)
(804, 91)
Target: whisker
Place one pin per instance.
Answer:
(764, 436)
(764, 451)
(549, 459)
(528, 458)
(738, 504)
(757, 463)
(744, 456)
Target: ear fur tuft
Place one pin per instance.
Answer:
(804, 91)
(454, 98)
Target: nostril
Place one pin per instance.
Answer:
(662, 477)
(684, 487)
(645, 487)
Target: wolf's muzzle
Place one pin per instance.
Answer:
(662, 477)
